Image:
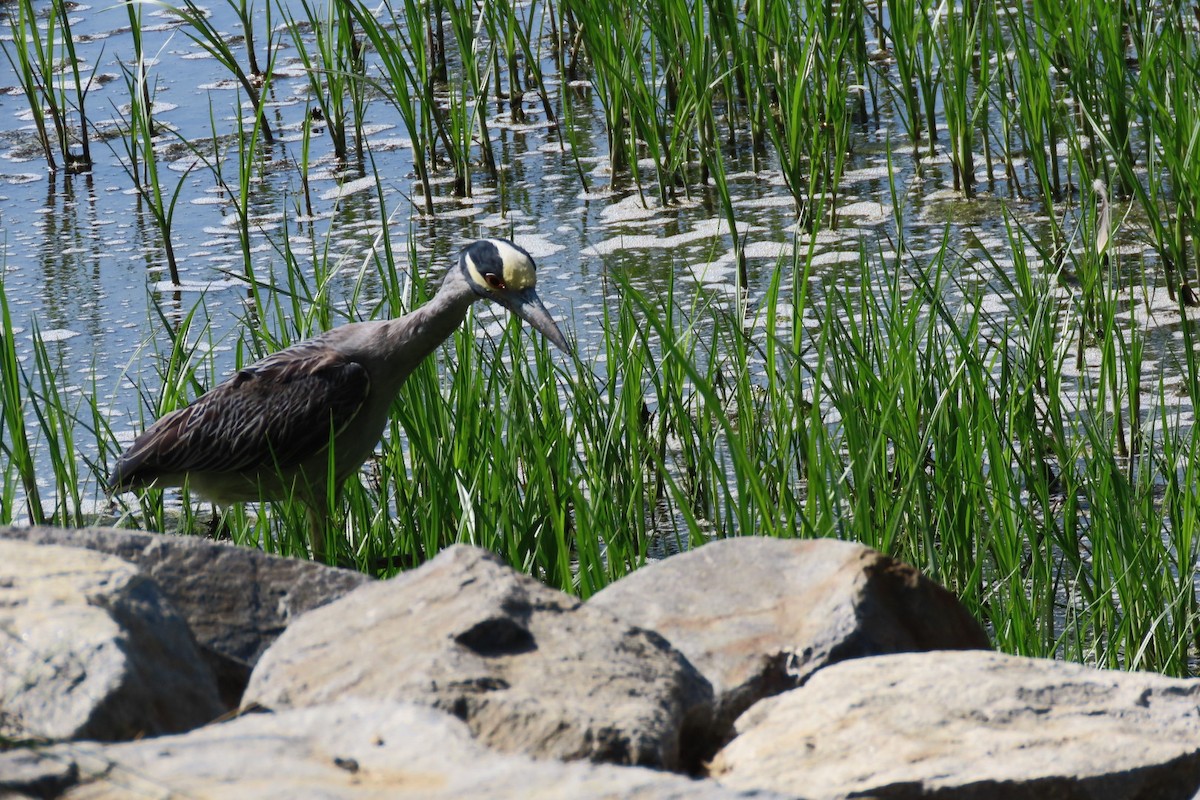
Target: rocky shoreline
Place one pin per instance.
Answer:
(135, 664)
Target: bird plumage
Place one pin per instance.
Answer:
(265, 432)
(270, 415)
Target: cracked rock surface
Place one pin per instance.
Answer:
(528, 668)
(972, 726)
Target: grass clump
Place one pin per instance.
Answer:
(996, 414)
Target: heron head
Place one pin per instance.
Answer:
(501, 271)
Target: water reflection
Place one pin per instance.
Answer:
(83, 253)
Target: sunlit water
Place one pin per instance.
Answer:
(84, 266)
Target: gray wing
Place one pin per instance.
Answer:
(274, 413)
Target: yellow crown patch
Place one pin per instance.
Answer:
(518, 268)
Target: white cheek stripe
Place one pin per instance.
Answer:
(476, 276)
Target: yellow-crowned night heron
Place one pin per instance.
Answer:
(265, 432)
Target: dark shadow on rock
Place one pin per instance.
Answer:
(496, 636)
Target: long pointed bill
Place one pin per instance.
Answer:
(528, 306)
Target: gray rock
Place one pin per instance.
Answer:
(972, 726)
(527, 667)
(758, 616)
(353, 750)
(30, 773)
(90, 648)
(236, 600)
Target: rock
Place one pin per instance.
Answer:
(758, 616)
(236, 600)
(89, 648)
(358, 749)
(972, 726)
(527, 667)
(30, 773)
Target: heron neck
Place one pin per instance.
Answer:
(419, 332)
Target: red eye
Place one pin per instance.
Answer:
(494, 281)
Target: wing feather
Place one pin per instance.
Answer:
(272, 414)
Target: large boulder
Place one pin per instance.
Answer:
(758, 616)
(237, 600)
(358, 749)
(90, 648)
(527, 667)
(973, 726)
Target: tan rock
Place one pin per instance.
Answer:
(971, 725)
(237, 600)
(758, 616)
(358, 750)
(527, 667)
(90, 648)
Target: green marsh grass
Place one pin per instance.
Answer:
(1040, 121)
(38, 54)
(17, 445)
(22, 56)
(141, 160)
(467, 110)
(1170, 76)
(408, 73)
(963, 85)
(1028, 458)
(955, 452)
(911, 38)
(505, 28)
(57, 420)
(611, 37)
(335, 76)
(198, 27)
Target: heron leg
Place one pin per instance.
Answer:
(218, 524)
(318, 527)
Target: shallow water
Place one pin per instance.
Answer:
(84, 265)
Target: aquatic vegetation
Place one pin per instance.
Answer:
(37, 54)
(804, 307)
